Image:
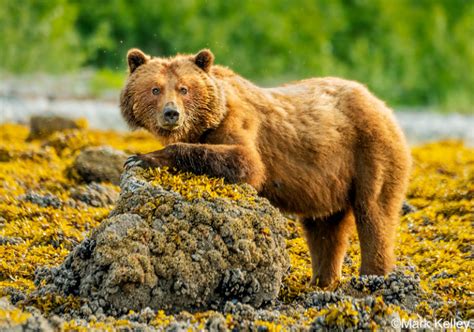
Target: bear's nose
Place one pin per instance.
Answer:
(171, 115)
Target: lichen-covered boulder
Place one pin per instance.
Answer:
(178, 242)
(99, 164)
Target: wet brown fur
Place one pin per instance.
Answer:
(323, 148)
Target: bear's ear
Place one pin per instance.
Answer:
(135, 59)
(204, 59)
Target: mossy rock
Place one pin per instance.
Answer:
(179, 242)
(98, 164)
(42, 126)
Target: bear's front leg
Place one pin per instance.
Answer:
(234, 163)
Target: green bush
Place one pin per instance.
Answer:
(39, 36)
(408, 52)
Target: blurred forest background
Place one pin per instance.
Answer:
(408, 52)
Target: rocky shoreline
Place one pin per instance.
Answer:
(81, 253)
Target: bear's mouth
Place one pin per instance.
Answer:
(170, 127)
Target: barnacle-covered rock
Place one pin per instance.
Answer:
(179, 242)
(15, 319)
(397, 288)
(42, 200)
(42, 126)
(94, 194)
(99, 164)
(216, 323)
(356, 314)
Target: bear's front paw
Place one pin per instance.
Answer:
(134, 161)
(148, 160)
(142, 161)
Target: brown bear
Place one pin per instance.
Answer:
(323, 148)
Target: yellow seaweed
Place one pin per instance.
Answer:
(437, 239)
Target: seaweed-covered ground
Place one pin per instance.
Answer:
(47, 208)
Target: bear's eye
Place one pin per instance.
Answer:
(156, 91)
(183, 90)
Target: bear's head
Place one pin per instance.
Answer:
(177, 98)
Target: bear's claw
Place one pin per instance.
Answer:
(133, 161)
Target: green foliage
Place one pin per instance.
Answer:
(39, 36)
(408, 52)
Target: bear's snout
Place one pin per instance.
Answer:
(171, 115)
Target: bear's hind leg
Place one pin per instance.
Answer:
(377, 220)
(327, 240)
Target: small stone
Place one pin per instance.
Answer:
(47, 200)
(407, 208)
(86, 311)
(5, 240)
(216, 323)
(327, 296)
